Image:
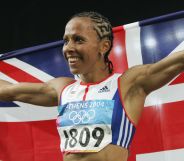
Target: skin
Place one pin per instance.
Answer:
(84, 53)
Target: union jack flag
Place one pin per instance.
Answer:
(28, 132)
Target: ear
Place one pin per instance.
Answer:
(105, 46)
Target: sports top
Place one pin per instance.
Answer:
(91, 116)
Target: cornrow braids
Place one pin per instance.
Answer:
(103, 29)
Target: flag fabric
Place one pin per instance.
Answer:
(160, 133)
(28, 132)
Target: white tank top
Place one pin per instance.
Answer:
(91, 116)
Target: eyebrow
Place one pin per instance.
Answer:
(73, 35)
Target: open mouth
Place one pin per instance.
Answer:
(73, 60)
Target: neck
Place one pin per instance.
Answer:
(94, 77)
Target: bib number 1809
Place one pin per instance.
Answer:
(83, 137)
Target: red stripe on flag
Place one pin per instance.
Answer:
(179, 79)
(118, 53)
(160, 128)
(16, 73)
(28, 141)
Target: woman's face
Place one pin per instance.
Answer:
(82, 46)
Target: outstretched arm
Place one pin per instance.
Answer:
(44, 94)
(140, 80)
(153, 76)
(164, 71)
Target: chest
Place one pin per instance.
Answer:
(87, 104)
(87, 115)
(80, 92)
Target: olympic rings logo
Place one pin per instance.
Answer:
(81, 116)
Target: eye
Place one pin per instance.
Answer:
(65, 41)
(79, 39)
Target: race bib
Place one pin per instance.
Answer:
(85, 126)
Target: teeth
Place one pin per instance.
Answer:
(73, 59)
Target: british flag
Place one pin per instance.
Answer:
(28, 132)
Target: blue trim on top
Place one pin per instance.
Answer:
(131, 138)
(128, 133)
(116, 118)
(124, 128)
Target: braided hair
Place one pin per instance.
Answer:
(103, 29)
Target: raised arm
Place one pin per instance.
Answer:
(43, 94)
(153, 76)
(162, 72)
(140, 80)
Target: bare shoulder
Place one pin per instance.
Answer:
(59, 83)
